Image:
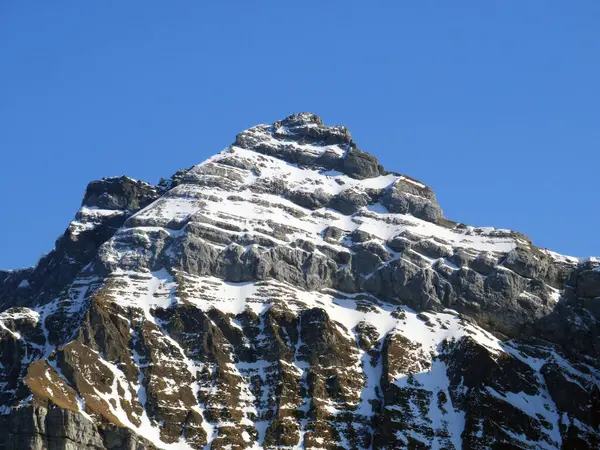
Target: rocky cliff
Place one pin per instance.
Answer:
(290, 292)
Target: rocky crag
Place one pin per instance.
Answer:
(290, 292)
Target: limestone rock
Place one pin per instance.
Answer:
(292, 293)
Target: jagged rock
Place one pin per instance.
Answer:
(410, 197)
(361, 236)
(484, 263)
(367, 335)
(310, 200)
(332, 234)
(349, 201)
(570, 396)
(432, 249)
(288, 293)
(36, 428)
(119, 193)
(399, 243)
(361, 165)
(588, 283)
(307, 125)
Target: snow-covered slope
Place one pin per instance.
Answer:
(289, 292)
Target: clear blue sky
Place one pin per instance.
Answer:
(496, 105)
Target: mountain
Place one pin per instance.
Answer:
(290, 292)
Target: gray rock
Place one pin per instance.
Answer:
(373, 247)
(397, 200)
(588, 283)
(406, 282)
(527, 262)
(359, 235)
(461, 257)
(484, 263)
(361, 165)
(309, 199)
(365, 262)
(309, 127)
(431, 249)
(300, 120)
(121, 193)
(349, 201)
(568, 393)
(333, 234)
(399, 243)
(39, 428)
(506, 284)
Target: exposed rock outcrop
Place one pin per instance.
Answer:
(292, 293)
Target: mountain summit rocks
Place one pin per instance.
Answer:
(303, 139)
(289, 292)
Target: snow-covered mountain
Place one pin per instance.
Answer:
(290, 292)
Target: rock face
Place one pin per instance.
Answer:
(290, 292)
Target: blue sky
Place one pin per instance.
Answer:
(496, 105)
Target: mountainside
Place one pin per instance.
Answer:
(290, 292)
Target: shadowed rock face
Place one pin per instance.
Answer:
(290, 292)
(106, 205)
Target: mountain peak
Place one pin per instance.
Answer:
(289, 292)
(302, 118)
(303, 139)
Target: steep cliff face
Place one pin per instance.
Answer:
(290, 292)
